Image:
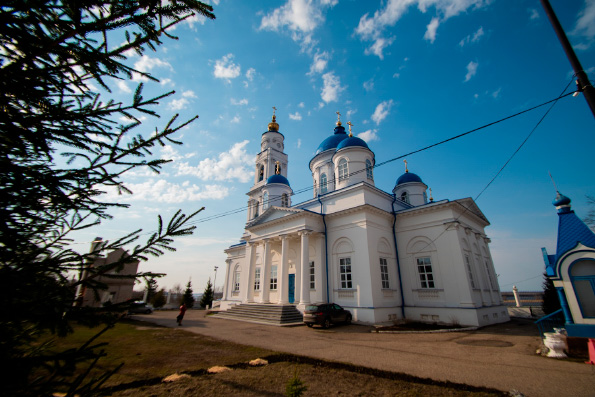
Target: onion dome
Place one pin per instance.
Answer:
(560, 200)
(408, 177)
(273, 126)
(277, 178)
(333, 141)
(351, 142)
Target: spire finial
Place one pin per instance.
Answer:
(552, 178)
(277, 167)
(350, 125)
(431, 198)
(406, 169)
(338, 118)
(273, 126)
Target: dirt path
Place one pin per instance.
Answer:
(502, 356)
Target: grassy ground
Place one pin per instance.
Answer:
(151, 353)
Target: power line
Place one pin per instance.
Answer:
(306, 189)
(554, 101)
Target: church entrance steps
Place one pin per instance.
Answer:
(280, 315)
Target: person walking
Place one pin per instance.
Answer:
(181, 314)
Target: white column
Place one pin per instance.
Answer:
(266, 270)
(282, 277)
(227, 275)
(249, 264)
(250, 254)
(304, 267)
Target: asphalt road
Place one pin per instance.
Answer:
(501, 356)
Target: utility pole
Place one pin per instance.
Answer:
(583, 82)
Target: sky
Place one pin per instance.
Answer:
(407, 74)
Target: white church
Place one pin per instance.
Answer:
(382, 256)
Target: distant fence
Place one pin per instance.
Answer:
(527, 298)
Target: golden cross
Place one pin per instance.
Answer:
(405, 161)
(274, 109)
(338, 116)
(350, 125)
(277, 167)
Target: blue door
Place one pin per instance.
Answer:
(291, 288)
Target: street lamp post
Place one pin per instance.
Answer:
(215, 280)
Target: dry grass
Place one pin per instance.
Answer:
(152, 354)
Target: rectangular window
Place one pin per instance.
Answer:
(323, 184)
(470, 271)
(384, 273)
(257, 279)
(345, 273)
(236, 283)
(273, 278)
(424, 268)
(343, 170)
(312, 276)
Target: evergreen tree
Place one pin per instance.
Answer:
(53, 53)
(188, 298)
(159, 298)
(150, 288)
(551, 302)
(207, 296)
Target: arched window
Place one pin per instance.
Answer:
(582, 274)
(261, 173)
(284, 200)
(323, 184)
(369, 169)
(405, 197)
(343, 170)
(265, 201)
(256, 208)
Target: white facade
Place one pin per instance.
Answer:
(340, 246)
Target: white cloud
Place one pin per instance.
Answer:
(123, 86)
(250, 73)
(369, 85)
(188, 94)
(226, 69)
(369, 135)
(178, 104)
(146, 64)
(235, 120)
(534, 14)
(474, 38)
(585, 25)
(372, 28)
(299, 143)
(471, 70)
(234, 164)
(331, 87)
(496, 93)
(431, 29)
(300, 17)
(166, 81)
(301, 105)
(319, 63)
(169, 152)
(350, 113)
(295, 116)
(200, 19)
(162, 191)
(382, 111)
(241, 102)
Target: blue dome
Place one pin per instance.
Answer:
(560, 200)
(332, 141)
(351, 142)
(408, 177)
(277, 178)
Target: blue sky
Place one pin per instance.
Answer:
(406, 73)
